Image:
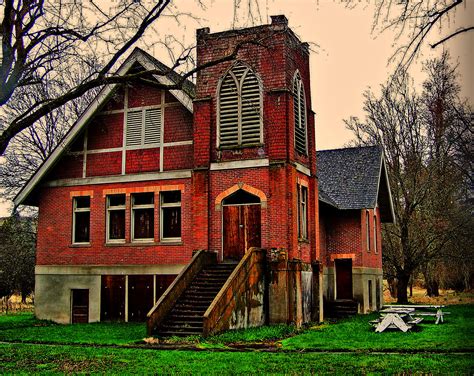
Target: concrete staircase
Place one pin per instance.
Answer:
(341, 308)
(186, 317)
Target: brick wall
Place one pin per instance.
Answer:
(55, 228)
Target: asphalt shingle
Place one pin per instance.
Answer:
(348, 178)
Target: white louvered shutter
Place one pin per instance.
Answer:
(299, 105)
(250, 113)
(134, 128)
(228, 112)
(153, 126)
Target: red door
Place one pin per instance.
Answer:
(241, 230)
(343, 278)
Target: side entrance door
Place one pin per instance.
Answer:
(241, 230)
(80, 306)
(343, 278)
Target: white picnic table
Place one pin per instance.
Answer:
(404, 317)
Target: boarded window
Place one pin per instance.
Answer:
(116, 218)
(240, 118)
(143, 127)
(299, 107)
(81, 219)
(140, 296)
(112, 298)
(171, 215)
(143, 210)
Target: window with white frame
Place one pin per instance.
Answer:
(143, 127)
(116, 218)
(367, 230)
(143, 209)
(299, 108)
(239, 108)
(302, 212)
(81, 220)
(170, 218)
(375, 232)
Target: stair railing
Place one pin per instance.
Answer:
(169, 298)
(246, 282)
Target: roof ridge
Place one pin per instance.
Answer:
(351, 147)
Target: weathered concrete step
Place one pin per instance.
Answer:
(179, 334)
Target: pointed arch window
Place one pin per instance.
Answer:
(299, 107)
(239, 109)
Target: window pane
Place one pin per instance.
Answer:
(143, 198)
(116, 200)
(170, 197)
(117, 224)
(171, 222)
(143, 223)
(81, 229)
(83, 202)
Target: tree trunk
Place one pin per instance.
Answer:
(402, 287)
(432, 288)
(392, 287)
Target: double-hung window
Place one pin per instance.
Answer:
(375, 233)
(81, 220)
(170, 218)
(116, 218)
(367, 229)
(143, 209)
(302, 212)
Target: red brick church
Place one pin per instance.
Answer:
(207, 208)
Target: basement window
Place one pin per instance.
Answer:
(170, 215)
(302, 212)
(143, 209)
(239, 109)
(81, 220)
(116, 218)
(299, 108)
(143, 127)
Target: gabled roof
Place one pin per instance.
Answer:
(355, 178)
(138, 56)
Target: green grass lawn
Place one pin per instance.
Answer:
(352, 348)
(455, 334)
(28, 358)
(25, 328)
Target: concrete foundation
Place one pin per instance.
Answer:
(53, 285)
(362, 280)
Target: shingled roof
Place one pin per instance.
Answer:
(351, 178)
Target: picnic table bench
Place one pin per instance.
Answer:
(439, 314)
(404, 317)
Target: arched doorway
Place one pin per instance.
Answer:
(241, 218)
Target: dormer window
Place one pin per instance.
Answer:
(299, 107)
(239, 109)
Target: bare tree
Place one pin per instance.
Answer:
(415, 23)
(419, 134)
(44, 39)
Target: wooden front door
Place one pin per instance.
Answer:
(343, 278)
(241, 230)
(80, 306)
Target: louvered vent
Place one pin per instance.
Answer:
(153, 126)
(250, 109)
(299, 105)
(239, 108)
(134, 128)
(228, 113)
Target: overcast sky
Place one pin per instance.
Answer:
(347, 57)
